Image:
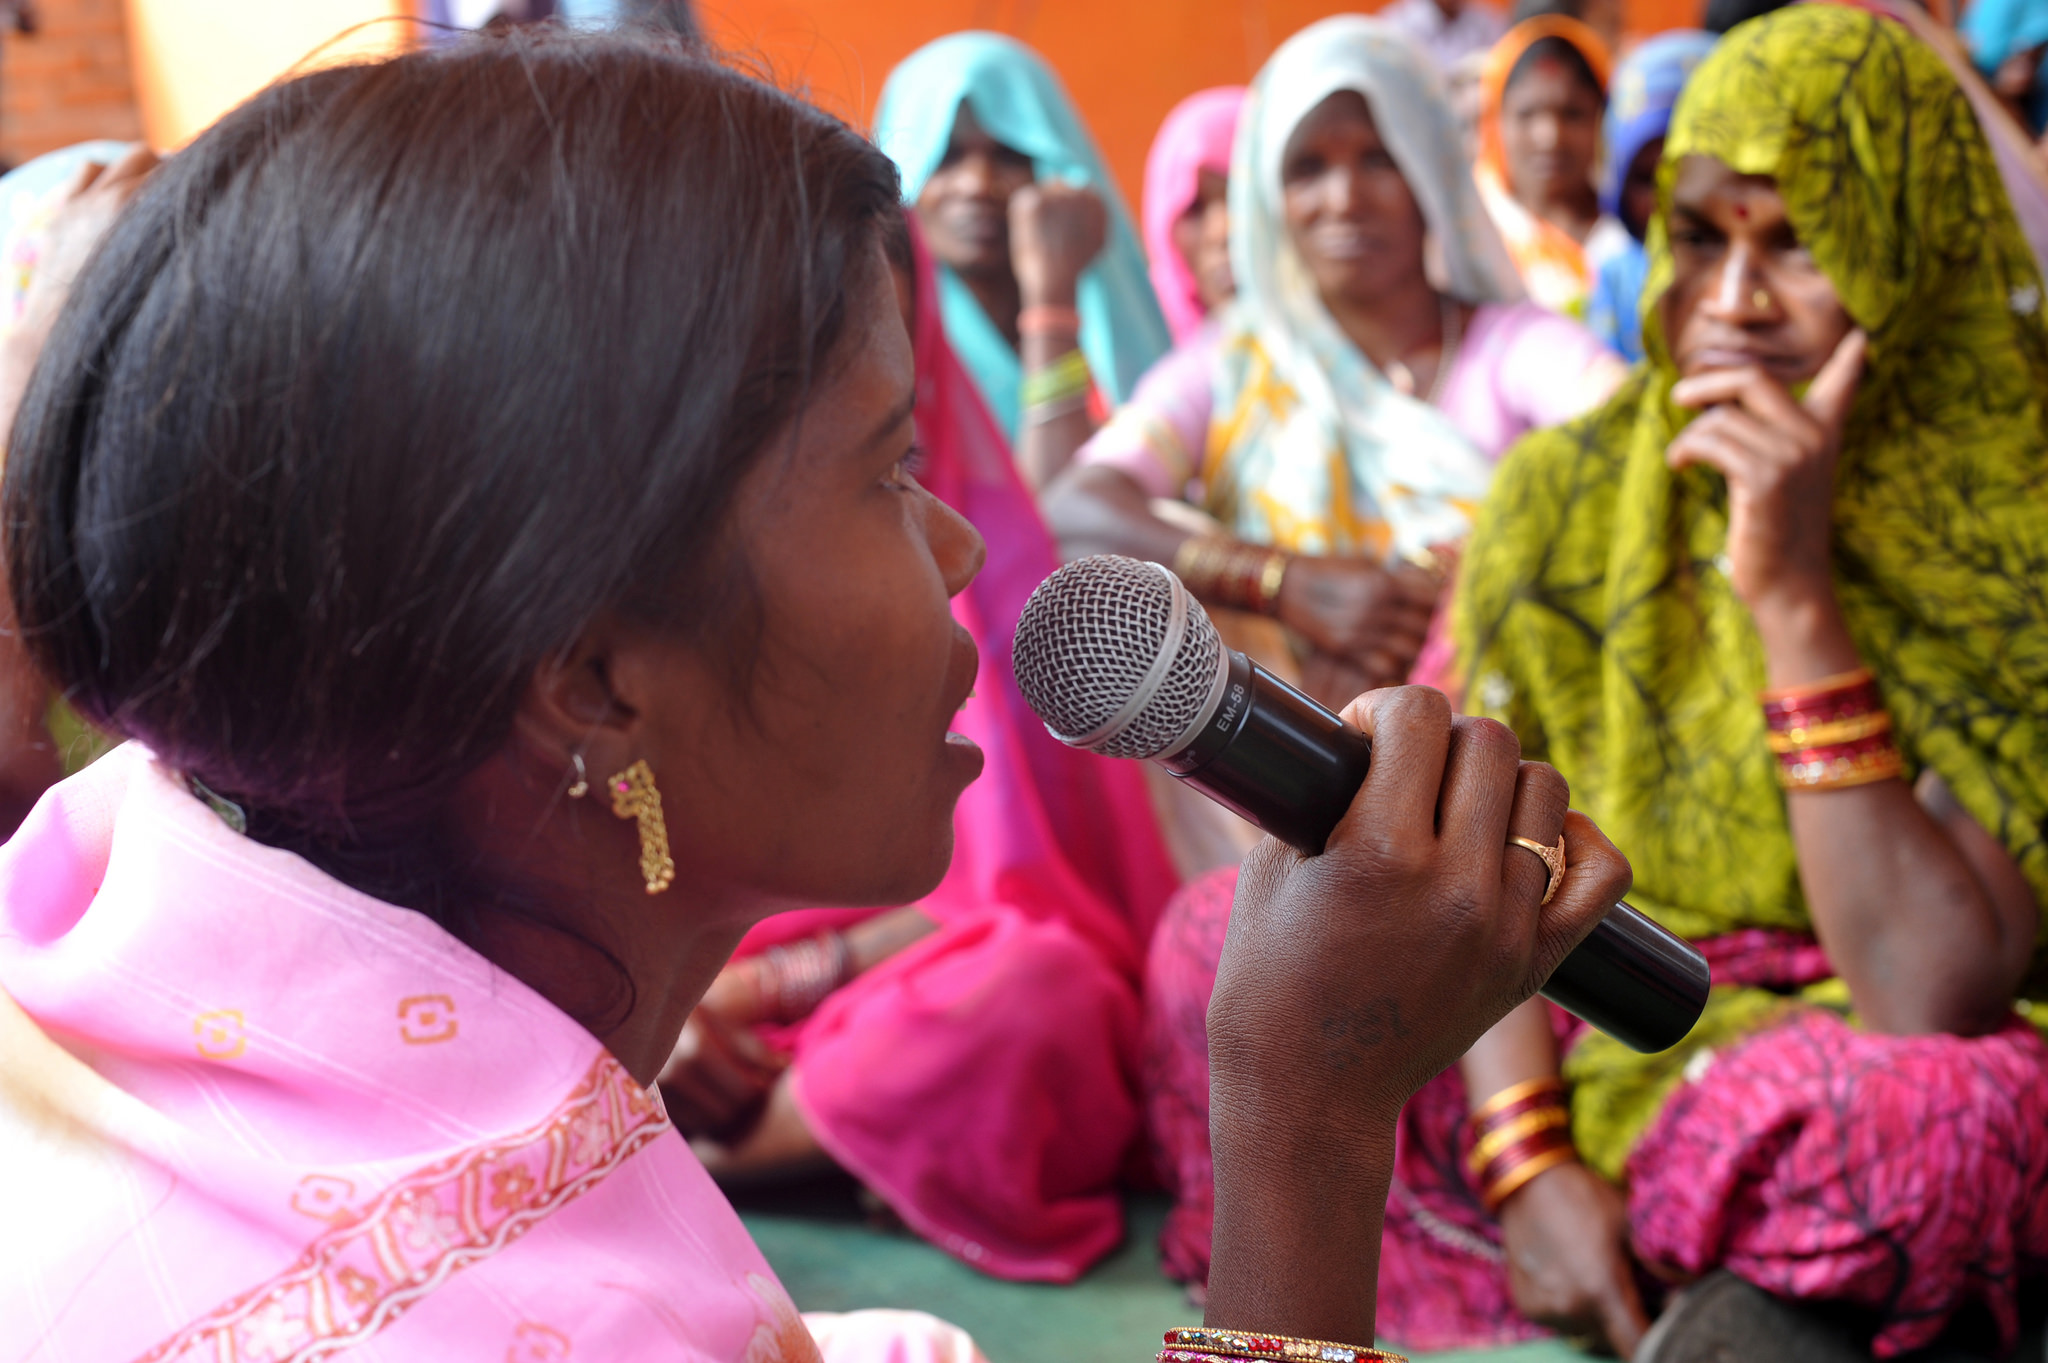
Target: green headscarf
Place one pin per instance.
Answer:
(1592, 615)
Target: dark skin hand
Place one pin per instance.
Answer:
(1550, 135)
(1922, 911)
(1355, 976)
(1355, 224)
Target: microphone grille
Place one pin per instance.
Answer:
(1087, 642)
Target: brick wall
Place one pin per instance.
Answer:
(68, 81)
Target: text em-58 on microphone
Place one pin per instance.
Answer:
(1117, 658)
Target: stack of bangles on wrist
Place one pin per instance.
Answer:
(1517, 1134)
(1058, 389)
(1204, 1345)
(795, 978)
(1232, 573)
(1832, 733)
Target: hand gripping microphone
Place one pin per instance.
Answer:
(1117, 658)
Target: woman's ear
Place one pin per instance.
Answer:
(571, 708)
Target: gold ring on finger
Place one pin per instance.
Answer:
(1553, 860)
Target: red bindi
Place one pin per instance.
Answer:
(1742, 212)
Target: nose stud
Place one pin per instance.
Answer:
(1761, 300)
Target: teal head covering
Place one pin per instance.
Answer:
(1021, 104)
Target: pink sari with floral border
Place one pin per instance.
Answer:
(248, 1114)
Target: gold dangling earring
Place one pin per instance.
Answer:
(582, 786)
(634, 796)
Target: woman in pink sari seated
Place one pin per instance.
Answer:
(968, 1058)
(478, 486)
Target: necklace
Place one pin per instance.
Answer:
(1450, 331)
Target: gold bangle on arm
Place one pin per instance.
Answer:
(1848, 730)
(1512, 1182)
(1499, 1138)
(1515, 1093)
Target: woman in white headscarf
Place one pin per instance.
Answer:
(1342, 421)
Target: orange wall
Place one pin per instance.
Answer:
(196, 59)
(1126, 61)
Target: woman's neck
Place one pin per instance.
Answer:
(1000, 297)
(1572, 211)
(1393, 326)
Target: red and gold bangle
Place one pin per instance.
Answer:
(1232, 573)
(1513, 1177)
(1203, 1345)
(1503, 1136)
(1829, 732)
(1516, 1097)
(1842, 766)
(1836, 697)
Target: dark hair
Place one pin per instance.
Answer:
(390, 383)
(1563, 52)
(1722, 15)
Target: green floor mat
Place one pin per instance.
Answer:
(837, 1262)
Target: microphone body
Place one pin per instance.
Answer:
(1116, 657)
(1281, 761)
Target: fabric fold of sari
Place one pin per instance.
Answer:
(250, 1113)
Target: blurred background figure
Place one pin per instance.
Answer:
(1187, 208)
(1541, 98)
(1041, 280)
(1646, 88)
(2006, 40)
(55, 210)
(1604, 17)
(1447, 30)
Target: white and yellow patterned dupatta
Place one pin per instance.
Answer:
(1310, 447)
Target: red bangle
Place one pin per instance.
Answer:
(1041, 317)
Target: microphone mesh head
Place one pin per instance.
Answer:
(1087, 638)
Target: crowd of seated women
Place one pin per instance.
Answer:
(1678, 423)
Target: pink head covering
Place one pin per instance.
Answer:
(1195, 137)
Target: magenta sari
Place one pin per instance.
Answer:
(983, 1081)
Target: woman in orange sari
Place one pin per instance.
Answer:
(1542, 94)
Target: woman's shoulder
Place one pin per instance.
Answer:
(1557, 484)
(1526, 326)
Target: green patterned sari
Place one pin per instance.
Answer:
(1592, 616)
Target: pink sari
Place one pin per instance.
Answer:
(248, 1114)
(983, 1081)
(1195, 137)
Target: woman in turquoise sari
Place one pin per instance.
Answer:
(1041, 277)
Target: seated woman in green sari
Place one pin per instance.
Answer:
(1827, 483)
(1827, 486)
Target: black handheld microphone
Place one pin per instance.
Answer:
(1117, 658)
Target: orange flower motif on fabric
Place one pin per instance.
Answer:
(425, 1019)
(219, 1034)
(533, 1342)
(512, 1188)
